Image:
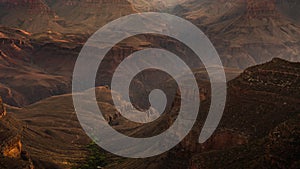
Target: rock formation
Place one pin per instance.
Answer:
(16, 62)
(11, 153)
(33, 6)
(261, 8)
(247, 32)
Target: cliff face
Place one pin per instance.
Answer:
(12, 148)
(256, 36)
(88, 16)
(290, 8)
(278, 149)
(11, 153)
(247, 32)
(34, 6)
(259, 123)
(31, 15)
(20, 79)
(254, 108)
(64, 16)
(155, 5)
(277, 76)
(261, 9)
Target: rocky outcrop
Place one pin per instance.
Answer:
(12, 147)
(250, 135)
(278, 149)
(277, 76)
(249, 116)
(261, 9)
(11, 153)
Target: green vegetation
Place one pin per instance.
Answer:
(96, 158)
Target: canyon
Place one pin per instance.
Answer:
(243, 33)
(244, 124)
(258, 42)
(38, 16)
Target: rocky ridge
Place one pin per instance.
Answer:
(248, 129)
(12, 154)
(246, 33)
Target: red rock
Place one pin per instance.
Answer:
(261, 9)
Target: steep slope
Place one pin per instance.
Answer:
(53, 141)
(64, 16)
(204, 12)
(20, 79)
(278, 149)
(12, 154)
(260, 102)
(155, 5)
(246, 33)
(290, 8)
(248, 41)
(257, 103)
(32, 16)
(88, 16)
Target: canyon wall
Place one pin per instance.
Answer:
(262, 8)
